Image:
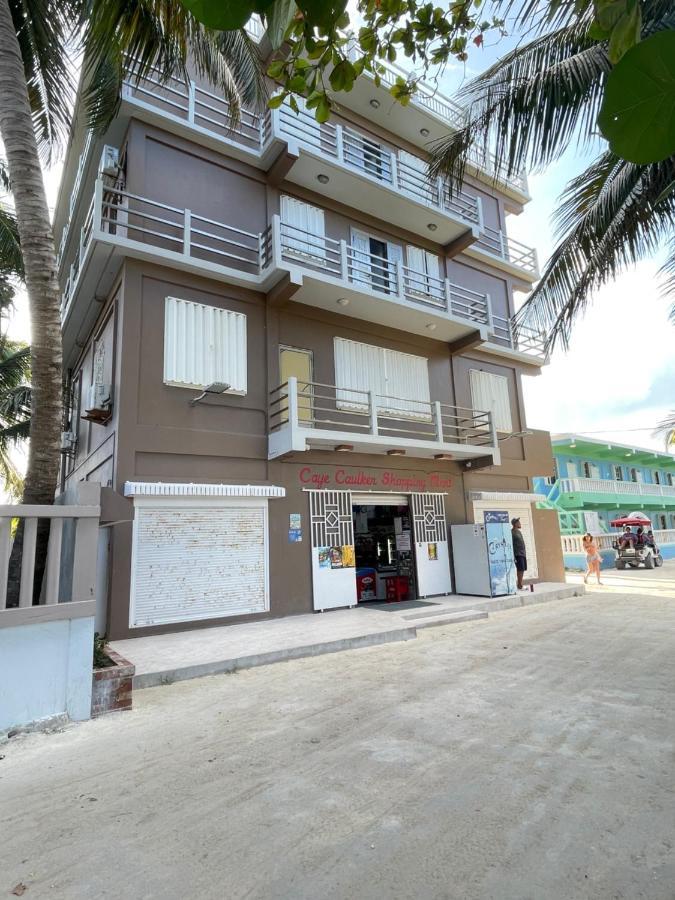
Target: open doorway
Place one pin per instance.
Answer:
(384, 549)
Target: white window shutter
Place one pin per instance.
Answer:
(303, 228)
(358, 367)
(407, 383)
(204, 344)
(490, 393)
(432, 264)
(415, 257)
(361, 264)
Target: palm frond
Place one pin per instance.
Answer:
(43, 30)
(139, 36)
(666, 430)
(608, 219)
(11, 258)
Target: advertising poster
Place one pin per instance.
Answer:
(294, 535)
(500, 553)
(433, 551)
(336, 558)
(324, 557)
(403, 541)
(348, 557)
(295, 521)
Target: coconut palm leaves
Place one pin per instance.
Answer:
(15, 405)
(529, 109)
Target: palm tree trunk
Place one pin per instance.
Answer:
(37, 246)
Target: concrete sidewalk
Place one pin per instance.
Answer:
(163, 659)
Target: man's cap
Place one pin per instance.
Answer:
(513, 521)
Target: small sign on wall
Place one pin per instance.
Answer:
(294, 528)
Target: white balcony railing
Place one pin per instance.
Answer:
(119, 217)
(311, 411)
(573, 543)
(498, 243)
(403, 174)
(616, 488)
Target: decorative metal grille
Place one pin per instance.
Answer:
(331, 518)
(428, 512)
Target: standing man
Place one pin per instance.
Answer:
(519, 551)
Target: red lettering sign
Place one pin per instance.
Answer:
(391, 480)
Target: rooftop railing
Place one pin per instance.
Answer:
(498, 243)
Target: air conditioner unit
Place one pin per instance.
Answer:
(109, 164)
(100, 403)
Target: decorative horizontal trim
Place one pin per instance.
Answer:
(513, 496)
(167, 489)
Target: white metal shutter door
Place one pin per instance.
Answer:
(359, 367)
(198, 562)
(407, 378)
(490, 393)
(432, 557)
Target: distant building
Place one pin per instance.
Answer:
(596, 481)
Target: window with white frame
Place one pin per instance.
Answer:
(204, 344)
(399, 381)
(490, 393)
(303, 229)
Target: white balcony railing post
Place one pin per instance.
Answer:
(400, 281)
(493, 430)
(344, 261)
(372, 412)
(293, 417)
(97, 212)
(438, 420)
(479, 210)
(339, 143)
(191, 103)
(488, 314)
(276, 240)
(447, 294)
(187, 230)
(394, 170)
(503, 245)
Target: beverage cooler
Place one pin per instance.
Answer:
(483, 559)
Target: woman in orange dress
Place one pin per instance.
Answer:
(593, 558)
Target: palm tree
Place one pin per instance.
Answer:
(532, 106)
(37, 40)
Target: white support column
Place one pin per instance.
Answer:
(447, 291)
(440, 193)
(493, 431)
(438, 419)
(28, 562)
(481, 220)
(394, 170)
(372, 411)
(504, 245)
(191, 103)
(187, 229)
(488, 308)
(53, 562)
(293, 407)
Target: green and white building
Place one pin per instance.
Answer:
(596, 481)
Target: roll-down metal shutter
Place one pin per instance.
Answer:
(192, 562)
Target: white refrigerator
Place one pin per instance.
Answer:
(483, 559)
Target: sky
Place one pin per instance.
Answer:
(617, 381)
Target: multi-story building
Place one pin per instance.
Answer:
(352, 321)
(597, 481)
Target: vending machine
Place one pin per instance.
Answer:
(483, 557)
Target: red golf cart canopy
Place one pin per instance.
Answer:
(634, 518)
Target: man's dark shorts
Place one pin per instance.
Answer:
(521, 564)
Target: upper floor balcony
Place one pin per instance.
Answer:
(310, 416)
(600, 491)
(312, 268)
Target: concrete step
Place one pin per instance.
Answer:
(467, 615)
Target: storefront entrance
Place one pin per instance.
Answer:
(384, 549)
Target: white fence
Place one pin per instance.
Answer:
(616, 488)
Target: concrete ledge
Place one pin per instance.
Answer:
(218, 667)
(469, 615)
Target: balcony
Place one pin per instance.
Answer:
(600, 491)
(311, 416)
(389, 185)
(507, 254)
(316, 270)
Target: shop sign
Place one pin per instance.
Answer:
(346, 479)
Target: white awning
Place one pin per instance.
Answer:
(507, 496)
(169, 489)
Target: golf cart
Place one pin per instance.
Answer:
(630, 551)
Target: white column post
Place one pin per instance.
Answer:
(276, 240)
(339, 143)
(292, 389)
(448, 295)
(504, 245)
(493, 431)
(394, 170)
(481, 220)
(372, 411)
(344, 261)
(187, 228)
(488, 311)
(438, 419)
(440, 190)
(97, 211)
(191, 103)
(400, 284)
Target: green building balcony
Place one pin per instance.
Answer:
(593, 493)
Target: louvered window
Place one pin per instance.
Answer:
(490, 393)
(400, 381)
(303, 230)
(203, 345)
